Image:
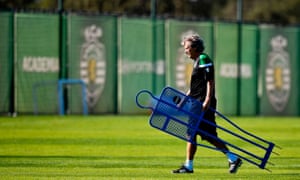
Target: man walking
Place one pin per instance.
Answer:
(202, 88)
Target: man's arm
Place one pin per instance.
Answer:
(188, 93)
(182, 102)
(210, 87)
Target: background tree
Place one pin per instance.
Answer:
(270, 11)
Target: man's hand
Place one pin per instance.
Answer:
(210, 87)
(181, 103)
(205, 106)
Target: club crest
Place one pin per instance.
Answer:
(278, 75)
(93, 64)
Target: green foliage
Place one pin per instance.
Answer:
(126, 147)
(272, 11)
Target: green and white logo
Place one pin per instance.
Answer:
(93, 64)
(278, 74)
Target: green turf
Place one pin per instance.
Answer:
(126, 147)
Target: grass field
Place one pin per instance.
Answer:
(126, 147)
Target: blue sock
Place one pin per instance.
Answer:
(231, 157)
(189, 164)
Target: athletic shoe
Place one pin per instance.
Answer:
(234, 166)
(183, 169)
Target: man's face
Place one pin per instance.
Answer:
(189, 51)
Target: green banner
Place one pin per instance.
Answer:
(158, 57)
(179, 66)
(279, 77)
(141, 64)
(226, 67)
(6, 60)
(92, 57)
(36, 62)
(236, 87)
(249, 66)
(117, 57)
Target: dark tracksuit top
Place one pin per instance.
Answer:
(203, 71)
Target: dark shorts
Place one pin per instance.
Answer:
(204, 128)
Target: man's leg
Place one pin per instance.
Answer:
(190, 151)
(234, 161)
(218, 144)
(190, 154)
(187, 167)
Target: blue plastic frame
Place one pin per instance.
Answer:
(267, 147)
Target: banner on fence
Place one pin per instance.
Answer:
(226, 67)
(6, 60)
(249, 70)
(92, 57)
(36, 62)
(236, 80)
(279, 77)
(139, 66)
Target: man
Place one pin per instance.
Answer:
(202, 88)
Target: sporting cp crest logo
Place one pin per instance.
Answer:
(278, 76)
(93, 64)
